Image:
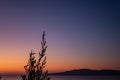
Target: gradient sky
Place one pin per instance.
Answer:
(80, 33)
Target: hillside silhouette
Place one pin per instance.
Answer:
(105, 72)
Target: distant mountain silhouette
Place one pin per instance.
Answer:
(89, 72)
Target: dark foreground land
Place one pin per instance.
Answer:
(89, 72)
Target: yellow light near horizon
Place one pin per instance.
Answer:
(15, 64)
(10, 64)
(10, 67)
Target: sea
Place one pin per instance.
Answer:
(69, 78)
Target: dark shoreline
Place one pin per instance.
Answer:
(76, 72)
(89, 72)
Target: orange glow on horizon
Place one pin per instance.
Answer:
(14, 64)
(5, 68)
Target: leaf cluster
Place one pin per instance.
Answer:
(35, 67)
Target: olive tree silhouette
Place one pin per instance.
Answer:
(35, 67)
(0, 77)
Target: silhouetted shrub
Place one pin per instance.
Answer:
(0, 77)
(34, 68)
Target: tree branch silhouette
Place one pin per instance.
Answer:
(35, 67)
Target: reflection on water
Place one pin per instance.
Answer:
(85, 77)
(11, 78)
(70, 78)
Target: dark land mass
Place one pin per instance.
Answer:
(87, 72)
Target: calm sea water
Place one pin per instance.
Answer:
(70, 78)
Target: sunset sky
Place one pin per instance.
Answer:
(79, 33)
